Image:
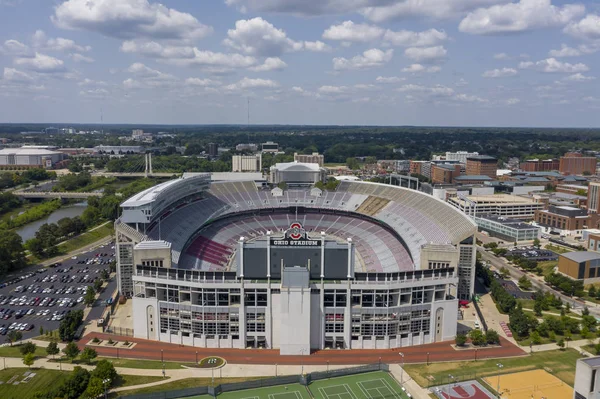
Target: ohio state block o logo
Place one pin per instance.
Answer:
(296, 231)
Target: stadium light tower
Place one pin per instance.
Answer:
(402, 370)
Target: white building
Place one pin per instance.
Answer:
(29, 157)
(460, 156)
(296, 173)
(269, 146)
(387, 273)
(315, 157)
(246, 163)
(510, 206)
(587, 378)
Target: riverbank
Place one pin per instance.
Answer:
(30, 214)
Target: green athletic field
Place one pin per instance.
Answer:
(374, 385)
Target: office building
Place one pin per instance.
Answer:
(482, 165)
(315, 157)
(460, 156)
(246, 147)
(593, 195)
(573, 163)
(507, 229)
(269, 146)
(564, 219)
(246, 163)
(213, 149)
(444, 173)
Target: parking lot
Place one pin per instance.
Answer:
(42, 298)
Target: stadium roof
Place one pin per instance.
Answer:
(149, 195)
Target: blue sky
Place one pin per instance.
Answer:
(372, 62)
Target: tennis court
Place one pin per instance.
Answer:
(373, 385)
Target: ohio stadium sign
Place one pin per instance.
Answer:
(295, 236)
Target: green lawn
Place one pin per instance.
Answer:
(40, 382)
(547, 266)
(13, 351)
(86, 238)
(559, 363)
(142, 364)
(132, 380)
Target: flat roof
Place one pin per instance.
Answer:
(499, 199)
(153, 244)
(513, 223)
(581, 256)
(27, 151)
(591, 361)
(481, 158)
(472, 177)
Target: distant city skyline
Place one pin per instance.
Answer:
(528, 63)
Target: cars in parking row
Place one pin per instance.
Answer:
(5, 328)
(24, 277)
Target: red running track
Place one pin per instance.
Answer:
(438, 352)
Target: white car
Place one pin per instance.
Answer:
(80, 299)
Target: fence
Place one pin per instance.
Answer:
(260, 383)
(126, 332)
(480, 315)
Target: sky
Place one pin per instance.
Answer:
(345, 62)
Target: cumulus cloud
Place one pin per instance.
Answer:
(588, 28)
(127, 19)
(247, 83)
(418, 68)
(156, 50)
(142, 71)
(407, 38)
(41, 63)
(512, 101)
(501, 56)
(202, 82)
(14, 75)
(389, 79)
(81, 58)
(257, 36)
(333, 89)
(426, 54)
(349, 31)
(369, 59)
(579, 77)
(317, 46)
(500, 73)
(15, 48)
(552, 65)
(40, 41)
(468, 98)
(518, 17)
(270, 64)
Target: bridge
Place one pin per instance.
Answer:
(55, 194)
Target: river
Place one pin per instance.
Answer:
(28, 231)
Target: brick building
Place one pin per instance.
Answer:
(573, 163)
(539, 165)
(479, 165)
(444, 173)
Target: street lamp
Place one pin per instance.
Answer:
(161, 356)
(476, 349)
(402, 370)
(275, 369)
(500, 365)
(196, 358)
(428, 358)
(117, 352)
(104, 383)
(328, 367)
(302, 354)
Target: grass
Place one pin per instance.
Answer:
(558, 249)
(574, 337)
(547, 266)
(133, 380)
(42, 380)
(13, 351)
(86, 238)
(558, 363)
(182, 384)
(142, 364)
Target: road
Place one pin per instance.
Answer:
(515, 273)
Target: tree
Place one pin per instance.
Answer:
(90, 296)
(352, 163)
(12, 256)
(41, 330)
(71, 350)
(504, 273)
(537, 308)
(536, 242)
(104, 274)
(492, 337)
(98, 285)
(69, 325)
(282, 185)
(88, 355)
(28, 359)
(14, 336)
(105, 371)
(460, 340)
(592, 291)
(561, 343)
(535, 338)
(524, 283)
(477, 337)
(52, 349)
(27, 347)
(95, 389)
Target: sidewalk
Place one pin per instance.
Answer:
(411, 386)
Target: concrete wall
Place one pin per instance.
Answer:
(295, 321)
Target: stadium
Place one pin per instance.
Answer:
(235, 264)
